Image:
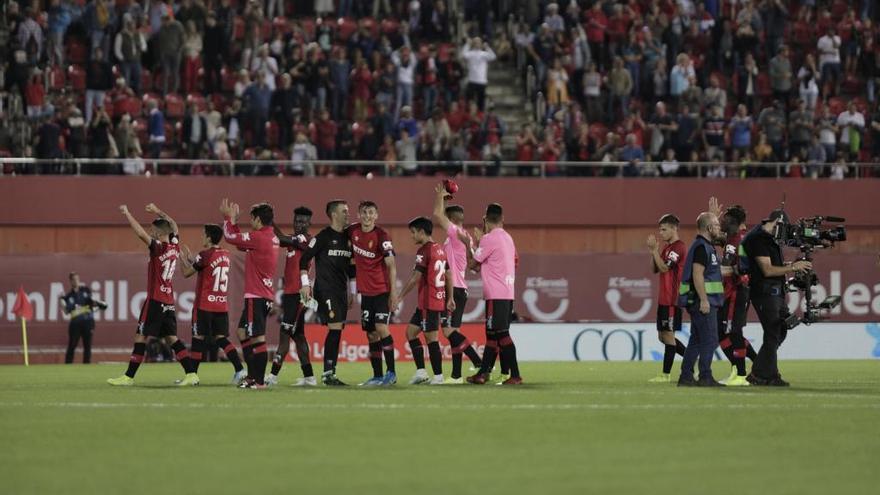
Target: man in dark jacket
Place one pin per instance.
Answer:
(195, 132)
(99, 79)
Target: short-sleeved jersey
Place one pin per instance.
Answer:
(673, 256)
(497, 257)
(212, 282)
(296, 246)
(160, 271)
(456, 255)
(431, 262)
(331, 251)
(261, 258)
(730, 258)
(370, 250)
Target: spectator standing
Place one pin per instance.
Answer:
(620, 86)
(771, 121)
(99, 80)
(170, 39)
(780, 75)
(155, 128)
(852, 124)
(213, 53)
(257, 99)
(192, 49)
(740, 132)
(340, 72)
(477, 55)
(829, 61)
(129, 46)
(405, 64)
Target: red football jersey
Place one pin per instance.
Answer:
(431, 261)
(160, 271)
(261, 260)
(370, 250)
(673, 255)
(212, 282)
(292, 282)
(730, 257)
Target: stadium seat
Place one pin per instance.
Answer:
(77, 52)
(76, 77)
(174, 106)
(266, 30)
(199, 101)
(219, 101)
(131, 105)
(347, 27)
(228, 78)
(146, 80)
(238, 28)
(836, 105)
(154, 97)
(56, 79)
(762, 85)
(390, 26)
(272, 133)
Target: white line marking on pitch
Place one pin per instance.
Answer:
(392, 406)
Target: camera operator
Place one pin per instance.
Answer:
(767, 273)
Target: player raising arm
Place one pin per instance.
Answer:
(451, 219)
(434, 280)
(293, 310)
(157, 318)
(210, 316)
(261, 261)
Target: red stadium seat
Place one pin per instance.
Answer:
(280, 24)
(220, 102)
(77, 52)
(228, 77)
(836, 105)
(762, 85)
(131, 105)
(347, 27)
(146, 80)
(266, 30)
(152, 97)
(199, 101)
(598, 131)
(76, 77)
(272, 133)
(390, 26)
(238, 28)
(56, 78)
(174, 106)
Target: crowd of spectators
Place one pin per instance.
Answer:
(657, 84)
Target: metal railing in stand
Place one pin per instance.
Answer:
(372, 168)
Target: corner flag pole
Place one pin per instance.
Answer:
(24, 340)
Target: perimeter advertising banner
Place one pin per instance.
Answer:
(549, 289)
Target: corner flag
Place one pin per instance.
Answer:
(24, 310)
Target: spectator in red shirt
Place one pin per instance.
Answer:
(596, 24)
(325, 131)
(361, 79)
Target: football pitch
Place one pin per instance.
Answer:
(591, 427)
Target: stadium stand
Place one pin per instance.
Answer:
(656, 84)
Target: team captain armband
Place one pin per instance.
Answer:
(304, 280)
(352, 287)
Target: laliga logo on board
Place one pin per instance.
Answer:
(554, 289)
(635, 289)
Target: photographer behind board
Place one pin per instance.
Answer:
(767, 290)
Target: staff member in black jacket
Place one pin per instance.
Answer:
(767, 274)
(79, 305)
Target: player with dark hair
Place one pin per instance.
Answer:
(79, 306)
(669, 263)
(732, 316)
(376, 277)
(434, 280)
(158, 318)
(331, 250)
(451, 218)
(210, 315)
(260, 264)
(496, 257)
(293, 311)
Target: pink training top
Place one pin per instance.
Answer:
(497, 258)
(456, 255)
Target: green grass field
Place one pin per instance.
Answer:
(575, 428)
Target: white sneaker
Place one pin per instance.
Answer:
(270, 380)
(239, 377)
(308, 381)
(420, 377)
(437, 380)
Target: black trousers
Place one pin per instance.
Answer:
(770, 310)
(476, 92)
(76, 330)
